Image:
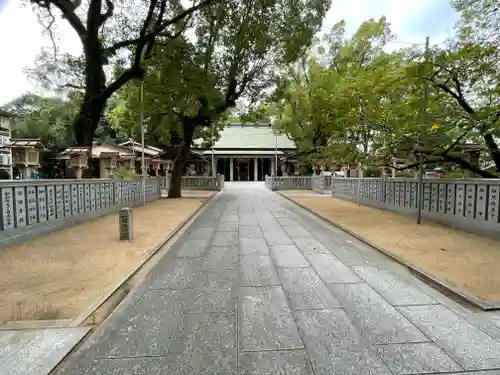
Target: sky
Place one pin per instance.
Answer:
(23, 37)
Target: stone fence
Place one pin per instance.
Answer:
(30, 208)
(320, 184)
(289, 182)
(196, 183)
(468, 204)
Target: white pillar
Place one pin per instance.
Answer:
(231, 163)
(255, 169)
(272, 167)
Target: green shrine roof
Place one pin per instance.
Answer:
(251, 136)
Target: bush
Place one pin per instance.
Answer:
(372, 172)
(124, 173)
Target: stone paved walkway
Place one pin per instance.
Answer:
(257, 286)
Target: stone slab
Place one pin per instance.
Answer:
(253, 246)
(422, 358)
(353, 257)
(257, 271)
(247, 231)
(225, 239)
(229, 218)
(41, 351)
(288, 256)
(205, 333)
(179, 273)
(343, 360)
(296, 231)
(248, 220)
(331, 269)
(396, 291)
(289, 362)
(287, 221)
(11, 341)
(200, 363)
(222, 279)
(147, 329)
(221, 258)
(305, 290)
(310, 245)
(212, 300)
(266, 321)
(201, 232)
(472, 348)
(272, 227)
(378, 321)
(194, 248)
(274, 237)
(280, 213)
(122, 366)
(227, 227)
(323, 330)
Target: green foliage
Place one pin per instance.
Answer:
(372, 172)
(354, 102)
(238, 46)
(124, 173)
(49, 119)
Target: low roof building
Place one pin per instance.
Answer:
(248, 152)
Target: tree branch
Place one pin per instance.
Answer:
(466, 165)
(450, 147)
(126, 76)
(67, 9)
(159, 29)
(109, 12)
(72, 86)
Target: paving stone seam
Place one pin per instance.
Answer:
(484, 305)
(461, 317)
(209, 242)
(342, 307)
(396, 307)
(184, 225)
(288, 300)
(238, 300)
(275, 350)
(426, 373)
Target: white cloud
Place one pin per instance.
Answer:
(22, 37)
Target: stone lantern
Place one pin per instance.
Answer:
(108, 163)
(78, 159)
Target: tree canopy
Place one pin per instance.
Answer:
(235, 52)
(353, 100)
(109, 31)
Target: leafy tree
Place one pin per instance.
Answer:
(106, 29)
(466, 71)
(238, 47)
(49, 119)
(356, 103)
(329, 102)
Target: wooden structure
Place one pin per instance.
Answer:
(248, 152)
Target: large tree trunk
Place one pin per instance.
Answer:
(87, 120)
(181, 160)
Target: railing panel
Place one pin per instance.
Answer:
(39, 206)
(469, 204)
(289, 182)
